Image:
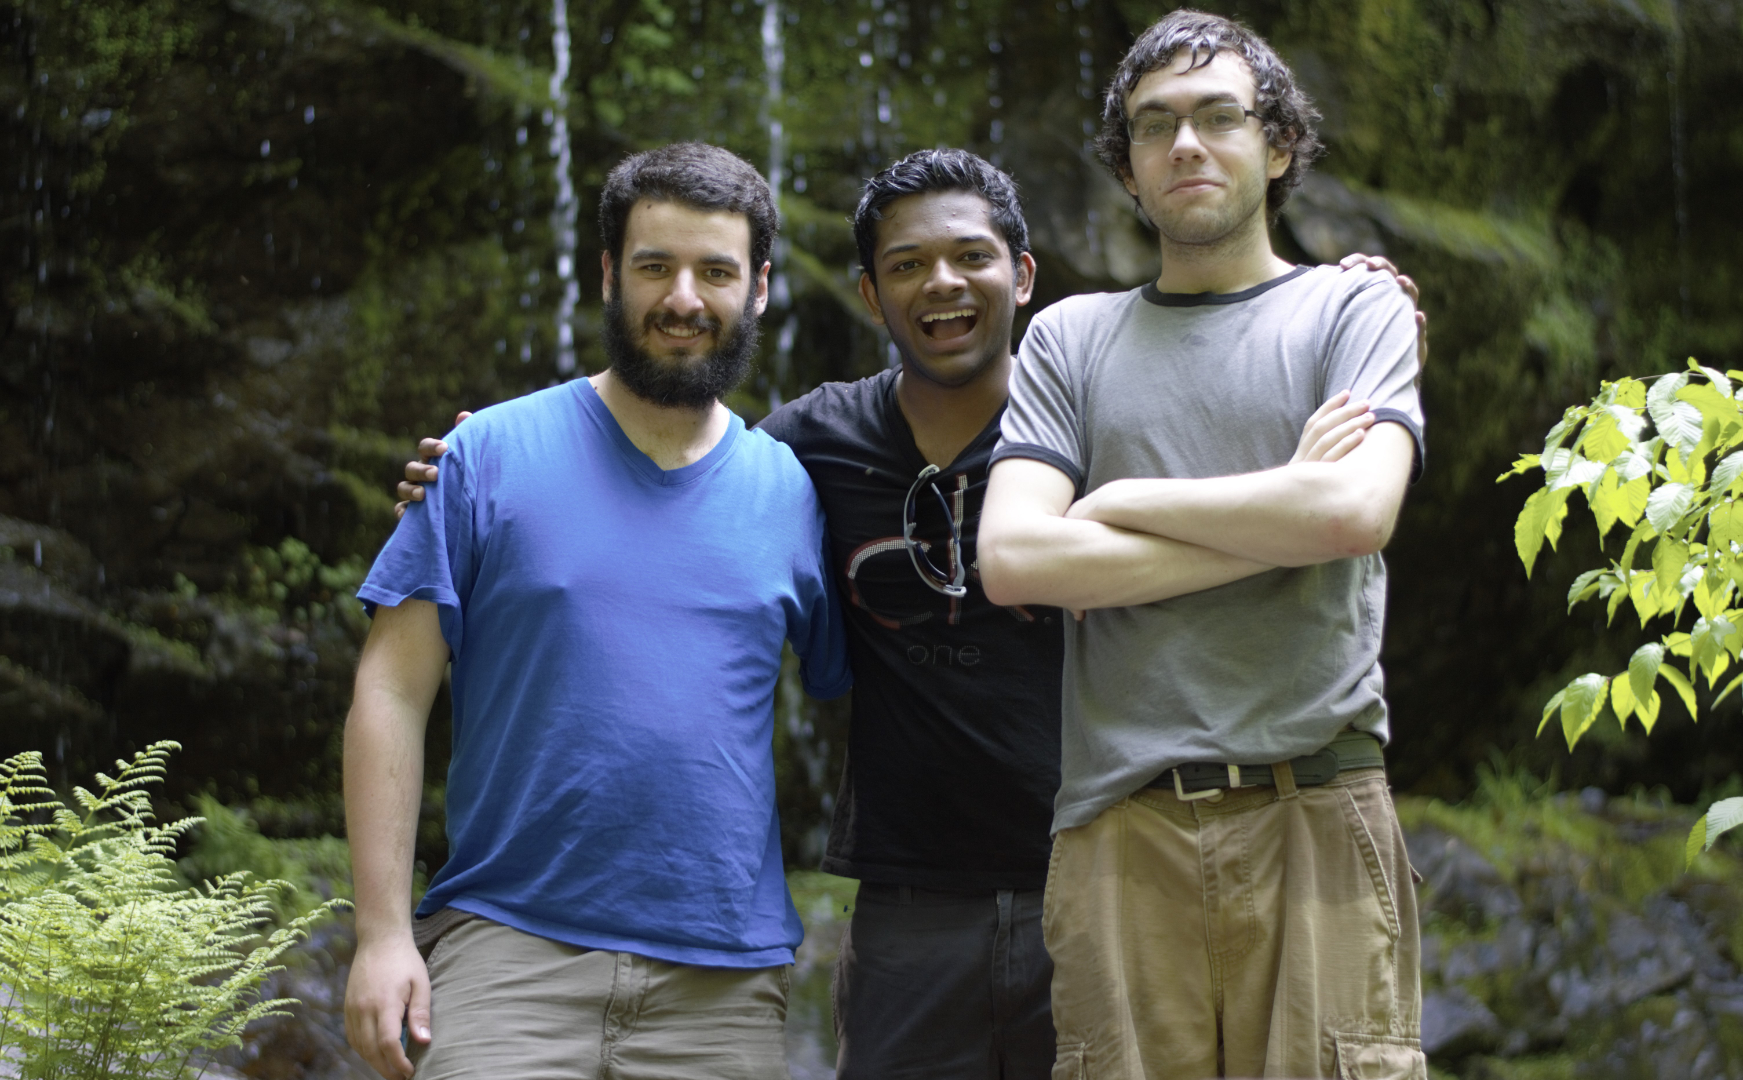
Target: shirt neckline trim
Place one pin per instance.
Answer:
(1161, 299)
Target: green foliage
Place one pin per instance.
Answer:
(1663, 458)
(109, 967)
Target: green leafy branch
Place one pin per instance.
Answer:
(109, 966)
(1660, 457)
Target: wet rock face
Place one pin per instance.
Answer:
(1552, 958)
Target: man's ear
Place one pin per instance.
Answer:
(605, 283)
(1025, 283)
(1277, 162)
(868, 291)
(762, 288)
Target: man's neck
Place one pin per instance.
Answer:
(672, 437)
(1238, 261)
(945, 419)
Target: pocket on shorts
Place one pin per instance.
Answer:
(1376, 1057)
(1071, 1062)
(1374, 831)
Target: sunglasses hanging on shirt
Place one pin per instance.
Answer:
(950, 584)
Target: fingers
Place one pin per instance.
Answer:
(1336, 401)
(461, 418)
(1368, 262)
(399, 511)
(389, 1057)
(1345, 439)
(374, 1033)
(1408, 284)
(418, 1014)
(1421, 343)
(1345, 445)
(410, 492)
(427, 450)
(1328, 439)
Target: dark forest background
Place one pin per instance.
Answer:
(250, 250)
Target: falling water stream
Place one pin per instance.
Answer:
(563, 213)
(1678, 150)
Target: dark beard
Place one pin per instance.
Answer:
(693, 382)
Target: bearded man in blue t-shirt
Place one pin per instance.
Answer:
(614, 890)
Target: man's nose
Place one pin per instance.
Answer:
(683, 299)
(1186, 141)
(944, 279)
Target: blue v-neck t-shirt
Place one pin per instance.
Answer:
(616, 635)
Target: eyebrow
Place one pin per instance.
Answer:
(967, 238)
(1199, 103)
(715, 259)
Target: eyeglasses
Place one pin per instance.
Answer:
(1160, 125)
(949, 584)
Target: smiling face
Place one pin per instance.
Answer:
(946, 286)
(681, 311)
(1202, 189)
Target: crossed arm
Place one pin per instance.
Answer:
(397, 679)
(1138, 541)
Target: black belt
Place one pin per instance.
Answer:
(1350, 750)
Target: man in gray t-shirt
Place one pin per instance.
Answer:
(1229, 892)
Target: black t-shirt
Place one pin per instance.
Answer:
(953, 756)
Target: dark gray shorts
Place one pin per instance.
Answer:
(944, 986)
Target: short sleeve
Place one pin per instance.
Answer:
(431, 554)
(1042, 421)
(1372, 354)
(816, 628)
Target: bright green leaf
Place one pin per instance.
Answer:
(1622, 699)
(1539, 520)
(1721, 385)
(1720, 818)
(1584, 700)
(1666, 506)
(1725, 693)
(1584, 586)
(1643, 669)
(1647, 711)
(1603, 440)
(1681, 685)
(1669, 558)
(1551, 707)
(1726, 472)
(1631, 393)
(1678, 422)
(1697, 841)
(1520, 467)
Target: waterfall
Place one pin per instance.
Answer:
(780, 296)
(809, 747)
(563, 213)
(1678, 151)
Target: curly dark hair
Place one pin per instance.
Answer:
(1291, 121)
(694, 174)
(926, 171)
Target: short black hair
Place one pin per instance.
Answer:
(696, 175)
(1291, 122)
(926, 171)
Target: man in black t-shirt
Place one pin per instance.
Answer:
(953, 752)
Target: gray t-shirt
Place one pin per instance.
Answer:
(1147, 384)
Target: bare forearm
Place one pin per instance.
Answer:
(1085, 564)
(1297, 515)
(397, 678)
(384, 765)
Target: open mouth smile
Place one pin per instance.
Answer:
(944, 325)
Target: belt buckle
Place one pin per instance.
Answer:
(1208, 793)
